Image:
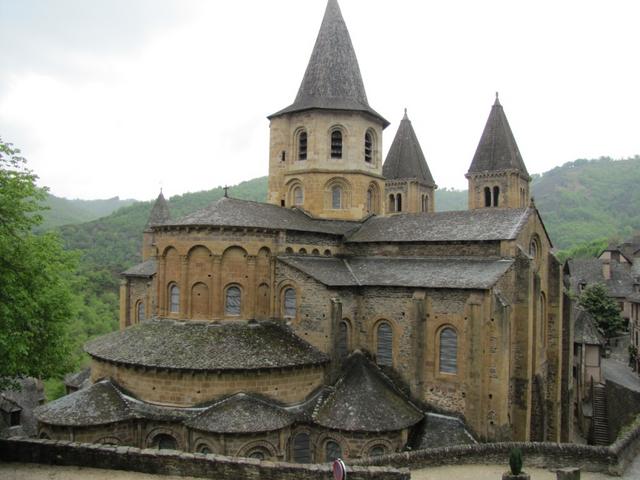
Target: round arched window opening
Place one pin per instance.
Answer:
(377, 450)
(298, 196)
(332, 451)
(290, 303)
(233, 301)
(165, 441)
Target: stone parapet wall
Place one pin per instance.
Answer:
(612, 460)
(168, 462)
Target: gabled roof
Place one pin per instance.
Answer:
(99, 404)
(160, 213)
(440, 272)
(193, 345)
(497, 150)
(242, 413)
(147, 268)
(589, 271)
(488, 224)
(365, 400)
(585, 330)
(232, 212)
(332, 80)
(405, 159)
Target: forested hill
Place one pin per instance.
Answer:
(589, 199)
(64, 211)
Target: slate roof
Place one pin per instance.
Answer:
(99, 404)
(497, 149)
(589, 271)
(79, 379)
(585, 330)
(488, 224)
(332, 80)
(147, 268)
(364, 400)
(443, 431)
(430, 272)
(242, 413)
(160, 213)
(7, 405)
(405, 159)
(232, 212)
(193, 345)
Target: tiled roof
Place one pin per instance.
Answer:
(585, 330)
(232, 212)
(192, 345)
(364, 400)
(79, 379)
(332, 80)
(443, 431)
(405, 159)
(160, 213)
(99, 404)
(497, 150)
(461, 226)
(436, 272)
(589, 271)
(147, 268)
(242, 413)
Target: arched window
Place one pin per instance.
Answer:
(487, 197)
(332, 451)
(448, 351)
(203, 448)
(392, 203)
(377, 450)
(343, 339)
(164, 441)
(233, 301)
(298, 196)
(399, 202)
(302, 145)
(336, 197)
(384, 347)
(289, 300)
(174, 299)
(301, 448)
(369, 200)
(496, 196)
(336, 144)
(368, 147)
(140, 311)
(258, 453)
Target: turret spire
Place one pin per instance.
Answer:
(332, 79)
(405, 159)
(497, 149)
(160, 212)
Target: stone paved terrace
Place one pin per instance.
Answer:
(23, 471)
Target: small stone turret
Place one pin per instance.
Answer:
(409, 186)
(159, 215)
(498, 177)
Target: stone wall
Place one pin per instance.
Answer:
(622, 406)
(186, 389)
(169, 462)
(612, 460)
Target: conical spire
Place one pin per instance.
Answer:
(497, 150)
(332, 79)
(405, 158)
(160, 212)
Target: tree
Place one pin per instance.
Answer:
(36, 299)
(596, 300)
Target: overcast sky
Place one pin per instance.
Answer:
(121, 97)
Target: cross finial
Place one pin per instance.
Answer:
(226, 191)
(405, 114)
(497, 102)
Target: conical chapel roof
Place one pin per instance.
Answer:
(405, 158)
(332, 80)
(497, 149)
(160, 213)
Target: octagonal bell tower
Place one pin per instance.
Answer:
(326, 148)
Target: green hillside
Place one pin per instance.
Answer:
(63, 211)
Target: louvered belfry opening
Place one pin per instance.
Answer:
(384, 351)
(448, 351)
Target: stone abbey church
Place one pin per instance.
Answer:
(327, 321)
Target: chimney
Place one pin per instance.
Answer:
(606, 269)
